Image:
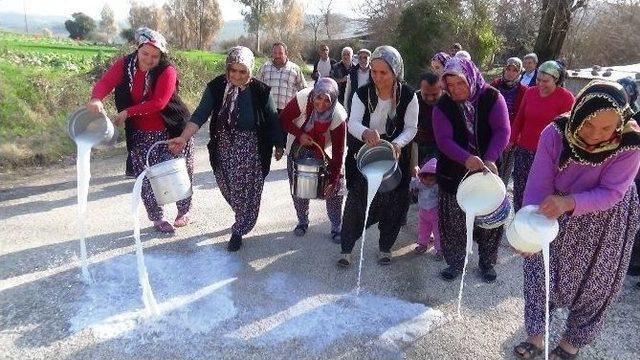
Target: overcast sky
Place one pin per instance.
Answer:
(230, 8)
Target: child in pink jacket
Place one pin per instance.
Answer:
(427, 188)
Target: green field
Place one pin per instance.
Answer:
(43, 79)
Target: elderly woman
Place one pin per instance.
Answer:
(540, 105)
(513, 92)
(384, 109)
(471, 127)
(146, 96)
(583, 176)
(340, 72)
(244, 129)
(438, 62)
(315, 116)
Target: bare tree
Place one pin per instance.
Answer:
(313, 24)
(554, 25)
(150, 16)
(255, 14)
(107, 24)
(192, 24)
(381, 18)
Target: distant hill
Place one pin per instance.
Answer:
(13, 21)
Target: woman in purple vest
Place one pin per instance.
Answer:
(471, 127)
(582, 175)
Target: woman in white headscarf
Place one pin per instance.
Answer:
(385, 109)
(146, 96)
(314, 116)
(244, 129)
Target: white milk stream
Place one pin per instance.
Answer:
(147, 294)
(470, 218)
(374, 173)
(545, 256)
(83, 169)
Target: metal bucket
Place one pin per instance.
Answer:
(309, 176)
(92, 128)
(169, 179)
(382, 152)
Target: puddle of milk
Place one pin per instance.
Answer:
(374, 173)
(148, 299)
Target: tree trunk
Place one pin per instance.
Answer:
(554, 25)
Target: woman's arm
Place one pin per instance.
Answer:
(410, 124)
(109, 80)
(288, 115)
(443, 133)
(500, 129)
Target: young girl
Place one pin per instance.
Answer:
(427, 188)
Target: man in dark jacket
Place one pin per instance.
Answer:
(324, 64)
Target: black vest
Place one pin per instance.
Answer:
(450, 172)
(267, 128)
(353, 78)
(365, 93)
(175, 115)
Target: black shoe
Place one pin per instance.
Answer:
(234, 243)
(300, 230)
(633, 271)
(449, 274)
(488, 273)
(345, 260)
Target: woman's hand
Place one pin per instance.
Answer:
(554, 205)
(371, 137)
(474, 163)
(121, 117)
(95, 106)
(525, 255)
(177, 145)
(491, 166)
(414, 171)
(397, 150)
(305, 140)
(278, 153)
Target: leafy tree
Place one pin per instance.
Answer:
(108, 22)
(255, 16)
(81, 26)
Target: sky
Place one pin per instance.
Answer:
(230, 8)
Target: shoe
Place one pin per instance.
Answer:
(488, 273)
(181, 221)
(345, 260)
(449, 274)
(336, 238)
(163, 226)
(234, 243)
(420, 249)
(384, 258)
(300, 230)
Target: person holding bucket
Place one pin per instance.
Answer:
(386, 109)
(244, 129)
(471, 127)
(146, 96)
(315, 120)
(540, 105)
(583, 175)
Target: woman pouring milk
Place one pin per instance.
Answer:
(386, 109)
(583, 175)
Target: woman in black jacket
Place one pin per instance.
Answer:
(244, 129)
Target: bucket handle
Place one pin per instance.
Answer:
(313, 143)
(382, 141)
(485, 168)
(153, 146)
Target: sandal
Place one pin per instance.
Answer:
(527, 350)
(300, 229)
(181, 221)
(420, 249)
(163, 226)
(562, 354)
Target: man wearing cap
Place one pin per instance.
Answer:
(530, 63)
(358, 77)
(513, 91)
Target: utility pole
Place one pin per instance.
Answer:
(24, 6)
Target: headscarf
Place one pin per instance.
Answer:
(393, 58)
(143, 36)
(551, 68)
(631, 89)
(597, 96)
(463, 54)
(517, 63)
(441, 57)
(466, 69)
(324, 86)
(235, 55)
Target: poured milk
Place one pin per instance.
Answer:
(470, 217)
(545, 256)
(147, 294)
(374, 173)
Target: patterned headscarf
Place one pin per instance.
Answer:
(235, 55)
(551, 68)
(441, 57)
(597, 96)
(631, 89)
(392, 57)
(328, 87)
(517, 63)
(463, 54)
(144, 35)
(467, 70)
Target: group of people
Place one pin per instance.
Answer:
(575, 158)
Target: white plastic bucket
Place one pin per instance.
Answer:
(169, 179)
(530, 229)
(481, 193)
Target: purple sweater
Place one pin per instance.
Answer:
(593, 188)
(500, 128)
